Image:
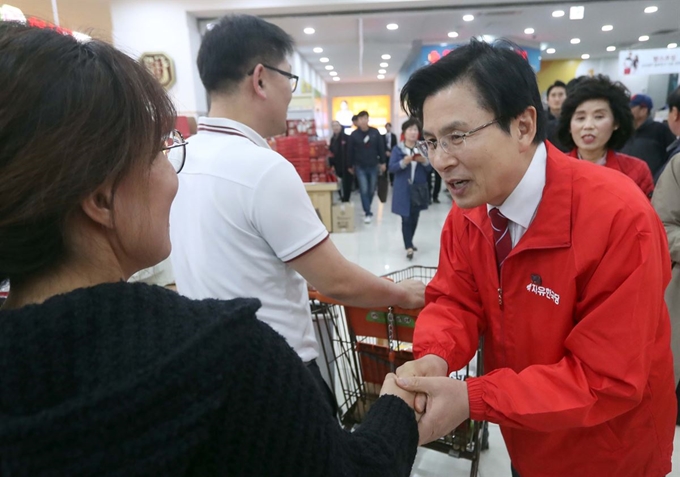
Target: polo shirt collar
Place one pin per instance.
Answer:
(230, 127)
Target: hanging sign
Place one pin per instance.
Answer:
(649, 62)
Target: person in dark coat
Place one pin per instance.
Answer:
(650, 139)
(338, 160)
(411, 171)
(390, 142)
(106, 378)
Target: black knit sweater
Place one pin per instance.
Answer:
(134, 380)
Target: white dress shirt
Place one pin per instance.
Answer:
(521, 205)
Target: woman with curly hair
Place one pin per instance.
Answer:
(596, 121)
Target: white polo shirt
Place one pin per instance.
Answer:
(240, 214)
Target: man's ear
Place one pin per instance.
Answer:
(526, 126)
(98, 206)
(258, 82)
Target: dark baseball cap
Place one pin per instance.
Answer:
(641, 100)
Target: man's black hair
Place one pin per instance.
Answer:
(235, 45)
(504, 81)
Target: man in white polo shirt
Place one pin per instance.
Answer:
(242, 223)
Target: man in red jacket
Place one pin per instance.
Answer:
(559, 264)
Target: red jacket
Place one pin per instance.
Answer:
(577, 334)
(635, 168)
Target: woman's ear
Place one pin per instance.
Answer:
(98, 206)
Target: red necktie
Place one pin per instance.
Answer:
(501, 235)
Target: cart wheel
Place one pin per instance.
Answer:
(474, 468)
(485, 436)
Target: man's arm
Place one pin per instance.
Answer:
(666, 201)
(450, 325)
(381, 151)
(350, 153)
(328, 271)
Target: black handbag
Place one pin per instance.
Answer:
(420, 195)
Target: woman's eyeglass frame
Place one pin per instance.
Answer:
(177, 158)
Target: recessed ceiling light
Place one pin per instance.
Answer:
(672, 45)
(529, 31)
(577, 13)
(333, 73)
(384, 65)
(392, 26)
(558, 13)
(453, 34)
(651, 9)
(550, 51)
(643, 38)
(575, 41)
(611, 48)
(324, 60)
(382, 72)
(318, 50)
(381, 76)
(309, 31)
(337, 78)
(585, 56)
(385, 57)
(329, 67)
(468, 18)
(607, 27)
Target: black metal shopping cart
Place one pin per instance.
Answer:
(360, 346)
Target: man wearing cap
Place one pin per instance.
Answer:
(650, 140)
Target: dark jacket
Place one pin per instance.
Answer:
(551, 125)
(366, 149)
(401, 192)
(135, 380)
(393, 142)
(672, 151)
(338, 149)
(649, 143)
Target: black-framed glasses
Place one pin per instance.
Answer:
(447, 142)
(175, 150)
(291, 77)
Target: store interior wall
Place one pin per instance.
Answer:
(554, 70)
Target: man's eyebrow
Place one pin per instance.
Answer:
(447, 128)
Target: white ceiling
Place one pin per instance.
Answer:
(339, 34)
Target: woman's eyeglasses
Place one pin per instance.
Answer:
(175, 150)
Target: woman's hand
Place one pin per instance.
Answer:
(407, 160)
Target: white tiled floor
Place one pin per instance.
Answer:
(378, 247)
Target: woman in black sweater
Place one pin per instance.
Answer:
(101, 377)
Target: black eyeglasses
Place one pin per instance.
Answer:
(175, 150)
(291, 77)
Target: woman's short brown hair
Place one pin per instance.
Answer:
(73, 116)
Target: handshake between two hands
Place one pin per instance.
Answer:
(440, 403)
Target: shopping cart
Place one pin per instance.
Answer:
(360, 346)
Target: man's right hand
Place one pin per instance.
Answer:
(429, 365)
(350, 170)
(415, 294)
